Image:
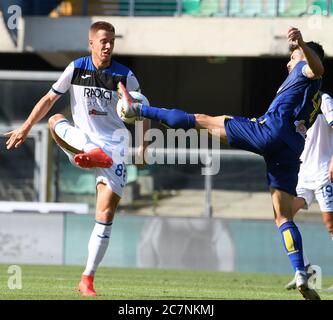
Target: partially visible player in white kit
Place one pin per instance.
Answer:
(316, 172)
(99, 138)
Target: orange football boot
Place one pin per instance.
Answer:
(86, 286)
(95, 158)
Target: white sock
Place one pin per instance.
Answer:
(73, 136)
(305, 259)
(98, 243)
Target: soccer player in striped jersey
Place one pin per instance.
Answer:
(98, 140)
(278, 136)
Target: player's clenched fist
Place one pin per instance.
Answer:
(294, 35)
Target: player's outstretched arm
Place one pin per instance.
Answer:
(315, 68)
(18, 136)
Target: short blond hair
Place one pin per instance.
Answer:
(101, 25)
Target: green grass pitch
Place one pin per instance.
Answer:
(60, 283)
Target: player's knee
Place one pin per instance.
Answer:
(200, 117)
(105, 215)
(52, 120)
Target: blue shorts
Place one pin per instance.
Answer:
(282, 163)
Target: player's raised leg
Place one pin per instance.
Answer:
(173, 118)
(106, 204)
(77, 145)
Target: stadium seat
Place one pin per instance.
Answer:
(155, 8)
(235, 8)
(92, 8)
(209, 8)
(191, 7)
(290, 8)
(322, 4)
(248, 8)
(108, 7)
(268, 8)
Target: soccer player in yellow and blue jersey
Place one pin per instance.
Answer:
(278, 136)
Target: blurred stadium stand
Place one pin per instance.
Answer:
(31, 7)
(242, 8)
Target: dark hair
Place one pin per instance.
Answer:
(314, 46)
(102, 25)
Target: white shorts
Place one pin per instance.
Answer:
(114, 177)
(324, 196)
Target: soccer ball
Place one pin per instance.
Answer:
(137, 97)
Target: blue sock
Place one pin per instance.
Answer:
(292, 241)
(173, 118)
